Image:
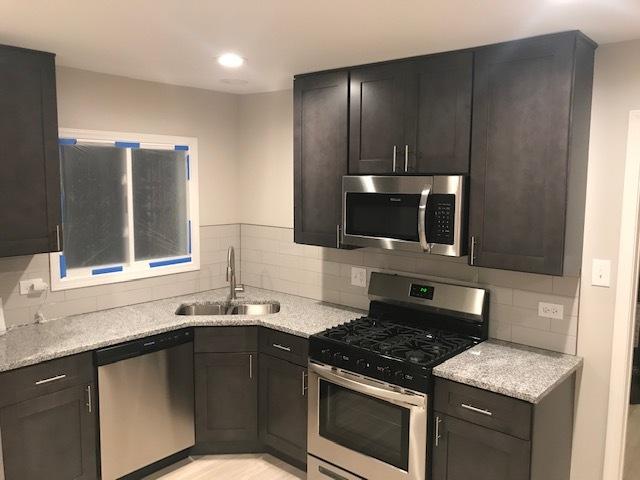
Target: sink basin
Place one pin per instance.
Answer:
(211, 308)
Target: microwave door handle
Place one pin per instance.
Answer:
(422, 219)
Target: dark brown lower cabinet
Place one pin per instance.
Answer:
(226, 402)
(51, 436)
(467, 451)
(283, 408)
(481, 435)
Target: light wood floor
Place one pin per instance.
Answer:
(230, 467)
(632, 449)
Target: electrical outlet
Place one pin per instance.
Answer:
(359, 277)
(550, 310)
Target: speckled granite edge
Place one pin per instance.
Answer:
(32, 344)
(514, 370)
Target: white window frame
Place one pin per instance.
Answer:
(63, 278)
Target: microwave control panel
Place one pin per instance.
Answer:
(441, 210)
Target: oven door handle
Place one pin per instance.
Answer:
(422, 218)
(367, 387)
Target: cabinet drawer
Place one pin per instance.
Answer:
(285, 346)
(225, 339)
(481, 407)
(44, 378)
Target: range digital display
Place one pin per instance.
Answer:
(421, 291)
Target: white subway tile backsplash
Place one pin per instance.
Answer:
(325, 274)
(267, 257)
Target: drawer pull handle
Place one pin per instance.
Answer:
(477, 410)
(52, 379)
(281, 347)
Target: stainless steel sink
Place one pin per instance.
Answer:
(212, 308)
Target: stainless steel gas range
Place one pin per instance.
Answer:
(370, 380)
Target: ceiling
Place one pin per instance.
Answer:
(177, 41)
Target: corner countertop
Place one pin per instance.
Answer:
(517, 371)
(31, 344)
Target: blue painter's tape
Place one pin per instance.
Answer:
(67, 141)
(63, 266)
(128, 144)
(102, 271)
(188, 169)
(173, 261)
(189, 233)
(182, 148)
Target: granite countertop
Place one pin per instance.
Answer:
(514, 370)
(37, 343)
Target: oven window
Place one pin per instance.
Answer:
(365, 424)
(383, 215)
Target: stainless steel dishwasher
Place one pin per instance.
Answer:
(145, 401)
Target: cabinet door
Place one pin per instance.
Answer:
(519, 155)
(377, 118)
(320, 104)
(226, 402)
(464, 451)
(30, 180)
(283, 407)
(52, 437)
(439, 133)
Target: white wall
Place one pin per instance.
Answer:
(616, 92)
(97, 101)
(266, 158)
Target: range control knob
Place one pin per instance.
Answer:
(325, 354)
(399, 375)
(384, 371)
(337, 356)
(362, 363)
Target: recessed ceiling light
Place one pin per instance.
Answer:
(230, 60)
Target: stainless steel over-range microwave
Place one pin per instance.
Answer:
(413, 213)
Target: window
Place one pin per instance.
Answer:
(129, 208)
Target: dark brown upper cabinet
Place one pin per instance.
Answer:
(531, 112)
(438, 135)
(412, 117)
(30, 180)
(321, 105)
(378, 97)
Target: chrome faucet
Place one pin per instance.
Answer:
(231, 275)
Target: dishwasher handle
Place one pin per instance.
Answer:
(142, 346)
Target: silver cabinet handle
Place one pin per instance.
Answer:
(330, 474)
(89, 401)
(406, 158)
(472, 254)
(250, 366)
(58, 237)
(477, 410)
(437, 439)
(304, 383)
(281, 347)
(395, 151)
(337, 236)
(52, 379)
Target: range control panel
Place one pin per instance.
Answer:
(441, 213)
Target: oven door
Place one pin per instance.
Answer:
(366, 427)
(385, 212)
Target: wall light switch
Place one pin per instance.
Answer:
(359, 277)
(550, 310)
(35, 285)
(601, 273)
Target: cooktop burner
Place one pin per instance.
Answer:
(398, 341)
(412, 326)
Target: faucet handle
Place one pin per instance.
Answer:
(240, 288)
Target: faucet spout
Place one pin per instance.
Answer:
(231, 275)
